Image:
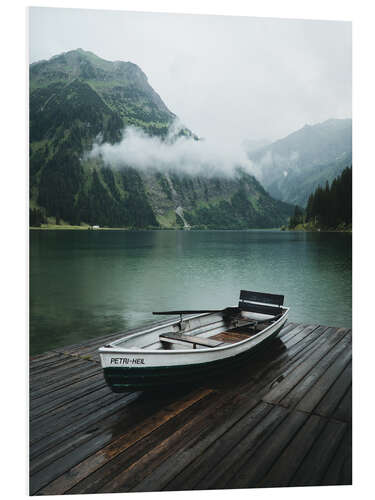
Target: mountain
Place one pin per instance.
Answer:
(122, 86)
(76, 98)
(293, 167)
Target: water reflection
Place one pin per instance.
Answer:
(85, 283)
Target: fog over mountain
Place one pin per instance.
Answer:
(179, 152)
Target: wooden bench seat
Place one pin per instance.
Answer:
(190, 339)
(260, 302)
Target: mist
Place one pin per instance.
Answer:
(206, 156)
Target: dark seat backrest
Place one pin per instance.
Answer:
(260, 302)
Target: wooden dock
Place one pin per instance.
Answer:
(283, 419)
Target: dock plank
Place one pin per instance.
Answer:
(340, 469)
(282, 419)
(47, 404)
(129, 477)
(247, 472)
(50, 360)
(67, 415)
(57, 385)
(314, 466)
(339, 354)
(122, 469)
(59, 373)
(221, 475)
(120, 442)
(343, 411)
(66, 435)
(290, 459)
(323, 345)
(250, 411)
(187, 477)
(332, 399)
(86, 460)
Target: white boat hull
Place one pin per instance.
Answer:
(126, 365)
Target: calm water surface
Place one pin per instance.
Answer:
(85, 284)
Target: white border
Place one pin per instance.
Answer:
(14, 258)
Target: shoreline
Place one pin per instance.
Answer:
(309, 227)
(76, 228)
(86, 228)
(319, 230)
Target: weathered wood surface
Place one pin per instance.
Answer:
(266, 298)
(190, 339)
(283, 419)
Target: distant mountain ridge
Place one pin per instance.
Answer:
(293, 167)
(76, 97)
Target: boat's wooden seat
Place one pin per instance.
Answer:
(260, 302)
(174, 338)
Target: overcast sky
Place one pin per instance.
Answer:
(231, 78)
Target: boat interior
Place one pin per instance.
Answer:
(243, 330)
(209, 329)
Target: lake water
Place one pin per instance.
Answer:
(85, 284)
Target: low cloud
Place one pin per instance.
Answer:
(203, 157)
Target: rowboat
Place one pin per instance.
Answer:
(194, 345)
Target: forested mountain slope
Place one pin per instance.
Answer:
(77, 99)
(293, 167)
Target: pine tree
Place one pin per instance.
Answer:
(332, 206)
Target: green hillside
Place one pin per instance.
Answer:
(76, 99)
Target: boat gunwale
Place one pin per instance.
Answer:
(119, 350)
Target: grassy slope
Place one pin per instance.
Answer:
(77, 95)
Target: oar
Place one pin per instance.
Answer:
(200, 311)
(188, 312)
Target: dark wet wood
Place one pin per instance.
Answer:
(340, 469)
(281, 419)
(231, 336)
(265, 298)
(189, 339)
(258, 308)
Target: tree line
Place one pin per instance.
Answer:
(328, 207)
